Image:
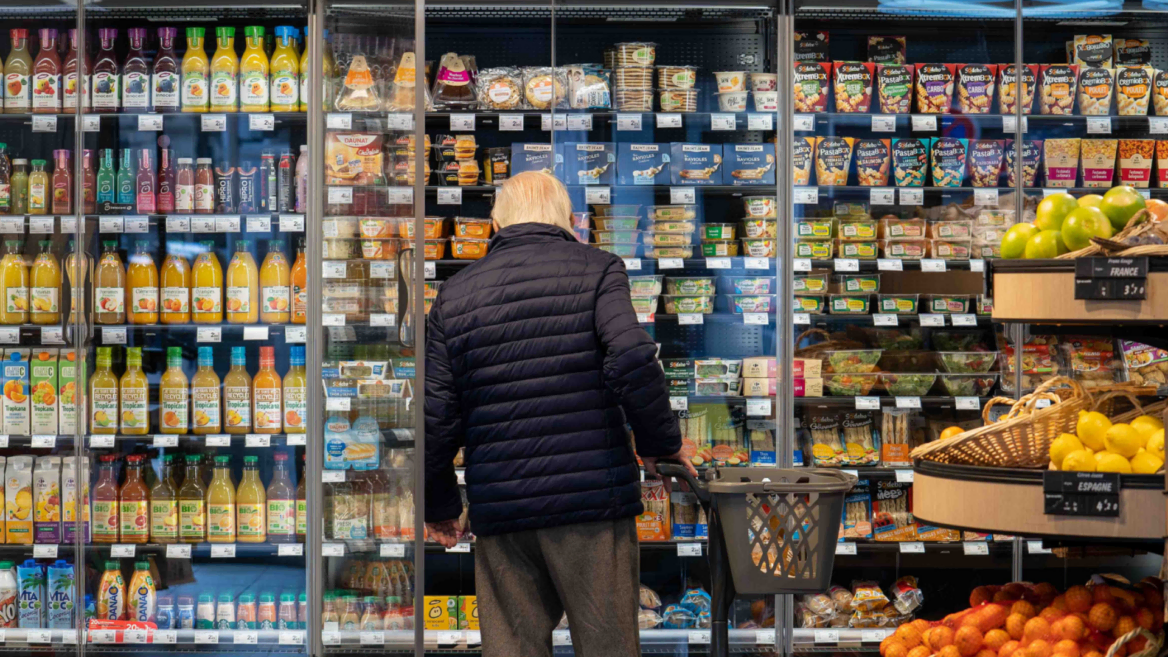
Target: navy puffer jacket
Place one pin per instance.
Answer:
(535, 362)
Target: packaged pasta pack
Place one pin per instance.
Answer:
(873, 160)
(894, 88)
(1098, 160)
(1135, 161)
(910, 161)
(853, 86)
(1133, 89)
(947, 161)
(861, 438)
(1145, 365)
(1061, 160)
(892, 518)
(975, 88)
(1160, 93)
(833, 159)
(1008, 88)
(1031, 153)
(653, 524)
(812, 86)
(934, 88)
(1096, 87)
(985, 162)
(802, 157)
(1092, 360)
(856, 520)
(1058, 86)
(1162, 163)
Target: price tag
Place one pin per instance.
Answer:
(206, 636)
(679, 403)
(908, 402)
(399, 121)
(682, 195)
(165, 440)
(259, 224)
(963, 319)
(49, 123)
(668, 120)
(689, 549)
(137, 224)
(399, 195)
(510, 122)
(1098, 125)
(1035, 547)
(882, 196)
(99, 636)
(40, 225)
(133, 636)
(382, 319)
(334, 268)
(332, 476)
(68, 224)
(290, 550)
(372, 638)
(975, 548)
(884, 123)
(227, 224)
(985, 197)
(670, 263)
(178, 551)
(688, 319)
(178, 224)
(758, 407)
(801, 319)
(44, 551)
(723, 122)
(1041, 403)
(393, 550)
(760, 122)
(804, 122)
(904, 476)
(867, 403)
(9, 336)
(846, 264)
(218, 440)
(924, 123)
(105, 224)
(633, 264)
(52, 335)
(1010, 124)
(628, 122)
(330, 638)
(214, 122)
(95, 441)
(44, 441)
(462, 122)
(261, 122)
(801, 264)
(149, 123)
(449, 196)
(460, 548)
(912, 547)
(1158, 125)
(258, 440)
(340, 195)
(758, 263)
(977, 265)
(579, 121)
(255, 333)
(90, 123)
(429, 269)
(755, 319)
(339, 121)
(337, 404)
(250, 637)
(846, 549)
(13, 225)
(209, 334)
(885, 319)
(930, 319)
(561, 637)
(825, 636)
(380, 269)
(165, 636)
(806, 195)
(718, 263)
(598, 195)
(699, 636)
(932, 265)
(332, 549)
(296, 335)
(122, 551)
(967, 403)
(294, 223)
(874, 636)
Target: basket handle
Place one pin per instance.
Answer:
(1077, 389)
(1027, 403)
(810, 332)
(1111, 394)
(676, 470)
(994, 401)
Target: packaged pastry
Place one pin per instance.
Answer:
(947, 161)
(1135, 161)
(676, 77)
(1061, 159)
(1093, 50)
(985, 162)
(853, 86)
(1133, 90)
(1145, 365)
(1031, 153)
(677, 100)
(353, 158)
(500, 88)
(934, 89)
(453, 87)
(833, 159)
(1096, 87)
(402, 95)
(1092, 360)
(1058, 85)
(894, 88)
(887, 49)
(812, 86)
(1132, 52)
(975, 88)
(802, 155)
(544, 88)
(867, 596)
(1160, 93)
(589, 87)
(873, 160)
(634, 100)
(1098, 159)
(636, 53)
(358, 92)
(633, 77)
(910, 161)
(1008, 88)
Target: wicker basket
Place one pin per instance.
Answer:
(1135, 226)
(829, 344)
(1151, 648)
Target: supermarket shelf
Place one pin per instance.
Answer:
(462, 641)
(883, 264)
(844, 639)
(195, 9)
(905, 122)
(1043, 292)
(937, 401)
(108, 334)
(197, 550)
(647, 190)
(641, 266)
(110, 640)
(821, 320)
(716, 317)
(210, 440)
(853, 191)
(193, 117)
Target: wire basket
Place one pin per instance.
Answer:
(780, 526)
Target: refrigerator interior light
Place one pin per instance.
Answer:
(973, 8)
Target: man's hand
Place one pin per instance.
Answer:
(445, 532)
(651, 467)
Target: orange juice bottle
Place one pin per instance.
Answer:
(13, 285)
(295, 392)
(45, 294)
(176, 290)
(266, 394)
(173, 395)
(142, 282)
(299, 278)
(237, 394)
(207, 287)
(135, 392)
(221, 503)
(192, 510)
(205, 395)
(253, 72)
(103, 396)
(251, 504)
(274, 283)
(243, 286)
(224, 72)
(134, 503)
(109, 287)
(195, 73)
(76, 268)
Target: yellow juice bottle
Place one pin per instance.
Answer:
(103, 394)
(253, 72)
(221, 503)
(176, 290)
(13, 285)
(275, 278)
(109, 287)
(76, 269)
(266, 394)
(251, 502)
(243, 286)
(142, 283)
(205, 395)
(285, 72)
(192, 509)
(207, 287)
(237, 394)
(295, 392)
(224, 72)
(135, 393)
(45, 291)
(196, 75)
(173, 395)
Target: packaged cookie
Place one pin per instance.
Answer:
(975, 88)
(589, 86)
(1061, 160)
(833, 159)
(1133, 89)
(887, 49)
(873, 160)
(1132, 52)
(853, 86)
(811, 86)
(1160, 93)
(910, 161)
(1098, 160)
(894, 88)
(1031, 154)
(947, 161)
(1058, 89)
(500, 88)
(543, 88)
(802, 155)
(985, 162)
(934, 88)
(1008, 88)
(1095, 91)
(1135, 161)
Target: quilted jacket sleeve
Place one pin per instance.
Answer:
(444, 431)
(631, 369)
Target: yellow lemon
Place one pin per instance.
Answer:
(1111, 462)
(1123, 440)
(1091, 427)
(1147, 425)
(1063, 445)
(1079, 461)
(1156, 443)
(1144, 462)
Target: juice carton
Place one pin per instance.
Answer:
(43, 384)
(441, 612)
(30, 579)
(468, 612)
(15, 377)
(46, 486)
(67, 377)
(18, 500)
(60, 593)
(69, 495)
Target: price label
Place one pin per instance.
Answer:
(165, 440)
(580, 122)
(682, 195)
(668, 120)
(137, 224)
(718, 263)
(846, 264)
(178, 551)
(258, 440)
(165, 636)
(214, 123)
(90, 123)
(801, 264)
(967, 403)
(429, 269)
(13, 225)
(699, 636)
(206, 636)
(689, 319)
(261, 122)
(382, 319)
(399, 121)
(755, 319)
(597, 195)
(975, 548)
(44, 441)
(757, 263)
(44, 551)
(460, 548)
(679, 403)
(105, 224)
(867, 403)
(52, 335)
(804, 122)
(9, 336)
(290, 550)
(977, 265)
(760, 122)
(250, 637)
(723, 122)
(122, 551)
(846, 549)
(1010, 124)
(449, 196)
(882, 196)
(218, 440)
(908, 402)
(332, 476)
(628, 122)
(930, 319)
(1158, 125)
(932, 265)
(68, 224)
(133, 636)
(825, 636)
(924, 123)
(393, 550)
(1041, 403)
(294, 223)
(689, 549)
(334, 268)
(963, 319)
(99, 636)
(764, 637)
(1099, 125)
(340, 195)
(561, 637)
(904, 476)
(337, 404)
(633, 264)
(339, 121)
(670, 263)
(883, 123)
(758, 407)
(149, 123)
(399, 195)
(510, 122)
(1035, 547)
(178, 224)
(332, 549)
(255, 333)
(227, 224)
(801, 319)
(380, 269)
(40, 225)
(806, 195)
(49, 124)
(296, 335)
(95, 442)
(330, 638)
(985, 197)
(113, 335)
(547, 122)
(209, 334)
(912, 547)
(259, 224)
(462, 122)
(372, 638)
(885, 319)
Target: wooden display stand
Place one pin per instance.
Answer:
(1049, 297)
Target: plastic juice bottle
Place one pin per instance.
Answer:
(5, 180)
(286, 613)
(45, 293)
(135, 393)
(266, 393)
(103, 395)
(146, 184)
(164, 504)
(166, 180)
(107, 178)
(62, 194)
(46, 75)
(88, 183)
(173, 392)
(281, 503)
(105, 494)
(295, 392)
(196, 73)
(299, 278)
(204, 186)
(221, 503)
(19, 184)
(246, 616)
(207, 287)
(13, 285)
(76, 268)
(205, 395)
(330, 619)
(285, 78)
(274, 283)
(127, 177)
(134, 502)
(164, 78)
(192, 510)
(176, 290)
(266, 612)
(17, 70)
(142, 281)
(251, 503)
(106, 79)
(302, 504)
(109, 287)
(253, 72)
(371, 615)
(329, 69)
(350, 618)
(237, 394)
(136, 74)
(38, 188)
(224, 72)
(225, 612)
(141, 601)
(111, 593)
(184, 185)
(72, 87)
(243, 286)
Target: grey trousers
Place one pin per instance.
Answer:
(526, 580)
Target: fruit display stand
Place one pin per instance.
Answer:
(1043, 291)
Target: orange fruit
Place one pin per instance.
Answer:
(1068, 648)
(1102, 617)
(939, 637)
(1045, 589)
(949, 651)
(921, 651)
(1071, 628)
(1145, 619)
(993, 616)
(909, 636)
(1091, 653)
(1051, 614)
(922, 625)
(1078, 598)
(995, 639)
(1036, 628)
(980, 594)
(1024, 608)
(896, 649)
(968, 640)
(1008, 649)
(1038, 648)
(885, 643)
(1124, 625)
(950, 432)
(986, 652)
(1060, 603)
(1015, 625)
(1135, 645)
(1102, 594)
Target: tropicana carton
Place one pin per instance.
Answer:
(16, 406)
(18, 500)
(67, 378)
(43, 386)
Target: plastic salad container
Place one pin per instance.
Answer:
(719, 248)
(909, 360)
(898, 304)
(967, 362)
(673, 212)
(761, 285)
(813, 284)
(616, 236)
(852, 360)
(704, 285)
(678, 304)
(968, 385)
(617, 223)
(468, 248)
(849, 384)
(719, 231)
(645, 305)
(857, 283)
(622, 249)
(809, 303)
(644, 286)
(907, 384)
(758, 247)
(683, 252)
(617, 210)
(673, 226)
(850, 304)
(669, 239)
(949, 303)
(752, 303)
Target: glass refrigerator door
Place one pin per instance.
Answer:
(186, 284)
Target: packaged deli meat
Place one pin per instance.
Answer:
(910, 161)
(1096, 87)
(1133, 90)
(1160, 93)
(1008, 88)
(873, 160)
(1132, 52)
(1098, 160)
(1057, 87)
(833, 159)
(947, 161)
(853, 86)
(975, 88)
(812, 85)
(887, 49)
(934, 88)
(1061, 160)
(1135, 161)
(1094, 50)
(811, 46)
(894, 88)
(985, 162)
(1031, 154)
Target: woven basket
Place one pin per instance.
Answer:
(1151, 648)
(1108, 404)
(829, 344)
(1135, 226)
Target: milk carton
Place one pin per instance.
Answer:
(46, 486)
(60, 595)
(43, 388)
(30, 579)
(67, 378)
(16, 406)
(18, 500)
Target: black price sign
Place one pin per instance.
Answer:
(1111, 279)
(107, 207)
(1094, 494)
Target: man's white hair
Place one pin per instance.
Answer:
(533, 197)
